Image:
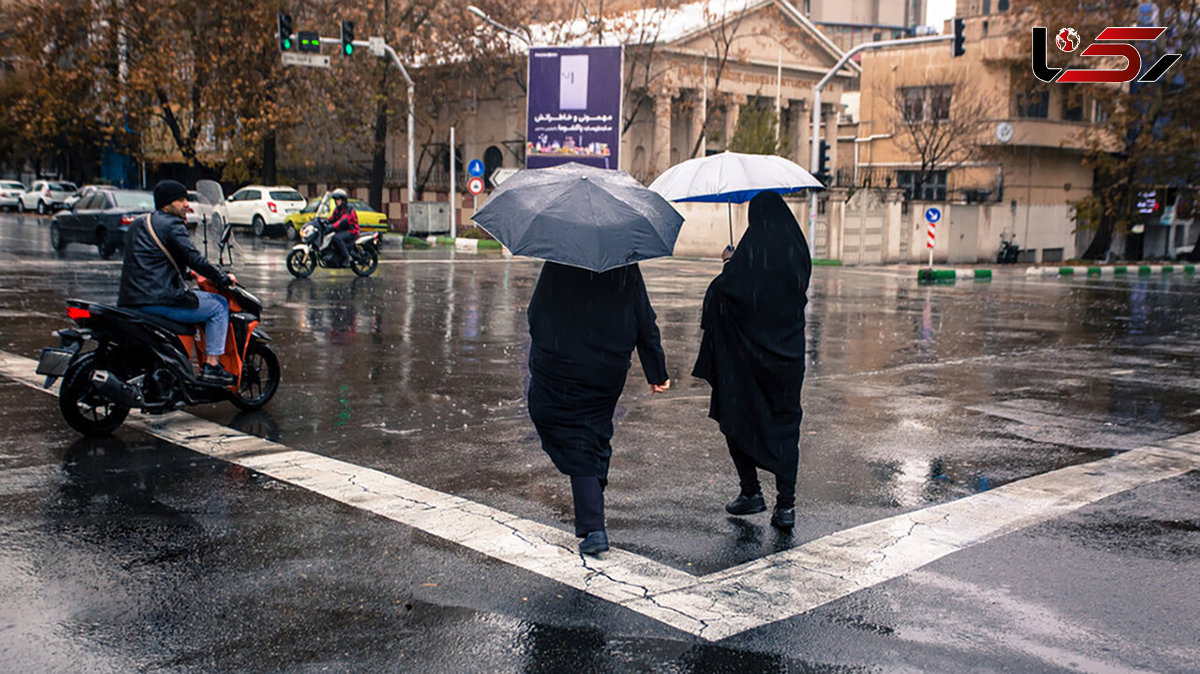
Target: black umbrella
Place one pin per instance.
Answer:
(597, 219)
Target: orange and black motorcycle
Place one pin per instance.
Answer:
(121, 359)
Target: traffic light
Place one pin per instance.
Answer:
(285, 32)
(959, 38)
(310, 41)
(823, 162)
(348, 38)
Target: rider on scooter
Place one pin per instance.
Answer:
(157, 250)
(344, 223)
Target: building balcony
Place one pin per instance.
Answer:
(1044, 133)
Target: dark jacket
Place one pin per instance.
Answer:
(148, 277)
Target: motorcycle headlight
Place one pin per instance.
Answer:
(307, 231)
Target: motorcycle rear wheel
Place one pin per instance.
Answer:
(365, 262)
(260, 377)
(82, 407)
(301, 265)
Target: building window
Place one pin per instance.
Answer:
(1033, 104)
(926, 104)
(1072, 107)
(934, 188)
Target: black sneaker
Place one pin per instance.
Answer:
(746, 505)
(215, 374)
(595, 543)
(784, 518)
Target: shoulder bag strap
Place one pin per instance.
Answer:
(170, 258)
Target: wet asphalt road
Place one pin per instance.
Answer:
(132, 554)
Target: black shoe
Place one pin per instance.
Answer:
(215, 374)
(784, 518)
(595, 543)
(746, 505)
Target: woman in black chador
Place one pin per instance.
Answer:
(584, 327)
(752, 354)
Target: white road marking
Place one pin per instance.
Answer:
(714, 606)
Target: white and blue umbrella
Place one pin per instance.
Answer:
(732, 178)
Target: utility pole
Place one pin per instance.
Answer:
(380, 48)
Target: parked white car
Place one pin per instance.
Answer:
(46, 196)
(262, 208)
(10, 193)
(200, 209)
(80, 193)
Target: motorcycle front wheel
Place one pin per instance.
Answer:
(260, 377)
(364, 262)
(300, 264)
(82, 407)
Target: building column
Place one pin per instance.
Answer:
(799, 130)
(662, 133)
(733, 110)
(698, 113)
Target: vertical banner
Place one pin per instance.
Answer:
(574, 112)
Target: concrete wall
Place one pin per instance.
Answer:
(970, 233)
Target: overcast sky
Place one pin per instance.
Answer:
(937, 12)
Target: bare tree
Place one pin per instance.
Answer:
(724, 32)
(938, 121)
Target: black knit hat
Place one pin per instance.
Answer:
(168, 191)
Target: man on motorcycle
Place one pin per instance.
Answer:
(157, 250)
(344, 223)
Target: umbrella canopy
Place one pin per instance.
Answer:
(597, 219)
(732, 177)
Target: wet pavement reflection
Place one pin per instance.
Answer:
(915, 394)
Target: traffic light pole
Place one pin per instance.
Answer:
(815, 157)
(388, 51)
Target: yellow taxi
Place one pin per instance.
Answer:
(368, 220)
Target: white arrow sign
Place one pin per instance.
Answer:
(314, 60)
(500, 175)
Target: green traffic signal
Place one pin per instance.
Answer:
(348, 38)
(285, 32)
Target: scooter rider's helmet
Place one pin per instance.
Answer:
(337, 194)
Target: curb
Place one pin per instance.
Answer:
(1116, 270)
(954, 274)
(465, 245)
(822, 262)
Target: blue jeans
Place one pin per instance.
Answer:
(213, 312)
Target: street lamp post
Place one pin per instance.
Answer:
(381, 48)
(816, 117)
(487, 19)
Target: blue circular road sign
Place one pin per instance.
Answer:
(475, 168)
(933, 214)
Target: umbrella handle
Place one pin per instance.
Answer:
(730, 204)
